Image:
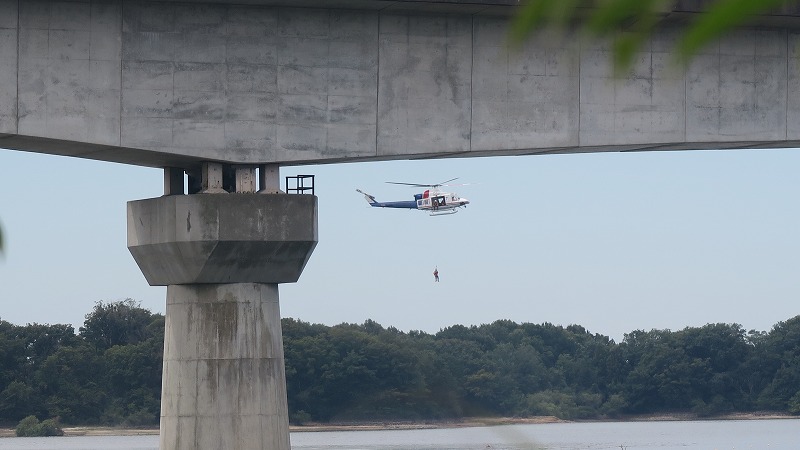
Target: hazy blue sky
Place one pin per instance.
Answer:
(614, 242)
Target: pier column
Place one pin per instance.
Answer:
(221, 256)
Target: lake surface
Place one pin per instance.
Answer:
(777, 434)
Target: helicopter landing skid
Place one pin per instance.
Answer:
(444, 213)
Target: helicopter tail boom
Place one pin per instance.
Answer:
(402, 204)
(370, 199)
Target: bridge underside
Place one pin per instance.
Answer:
(191, 164)
(174, 84)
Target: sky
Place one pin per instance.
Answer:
(614, 242)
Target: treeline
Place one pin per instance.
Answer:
(352, 372)
(110, 371)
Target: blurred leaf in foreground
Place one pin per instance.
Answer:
(630, 23)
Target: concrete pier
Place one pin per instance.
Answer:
(224, 383)
(222, 256)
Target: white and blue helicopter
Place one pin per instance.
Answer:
(433, 200)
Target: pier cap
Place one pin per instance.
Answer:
(222, 238)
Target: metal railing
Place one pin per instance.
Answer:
(300, 184)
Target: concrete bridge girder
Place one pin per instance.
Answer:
(178, 83)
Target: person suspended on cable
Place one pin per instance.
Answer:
(436, 274)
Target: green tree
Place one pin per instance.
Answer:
(724, 351)
(13, 361)
(344, 370)
(780, 361)
(132, 380)
(30, 426)
(449, 362)
(70, 380)
(364, 369)
(656, 368)
(23, 351)
(118, 323)
(695, 369)
(17, 400)
(41, 341)
(307, 350)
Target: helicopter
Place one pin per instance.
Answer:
(433, 200)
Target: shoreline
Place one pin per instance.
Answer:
(432, 424)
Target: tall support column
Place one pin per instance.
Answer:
(224, 385)
(222, 257)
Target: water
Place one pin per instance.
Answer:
(779, 434)
(81, 443)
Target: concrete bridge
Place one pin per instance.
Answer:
(226, 91)
(253, 82)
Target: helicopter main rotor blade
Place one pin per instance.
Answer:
(443, 182)
(461, 184)
(411, 184)
(423, 185)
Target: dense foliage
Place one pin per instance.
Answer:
(110, 372)
(351, 372)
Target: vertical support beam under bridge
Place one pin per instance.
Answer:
(222, 257)
(223, 385)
